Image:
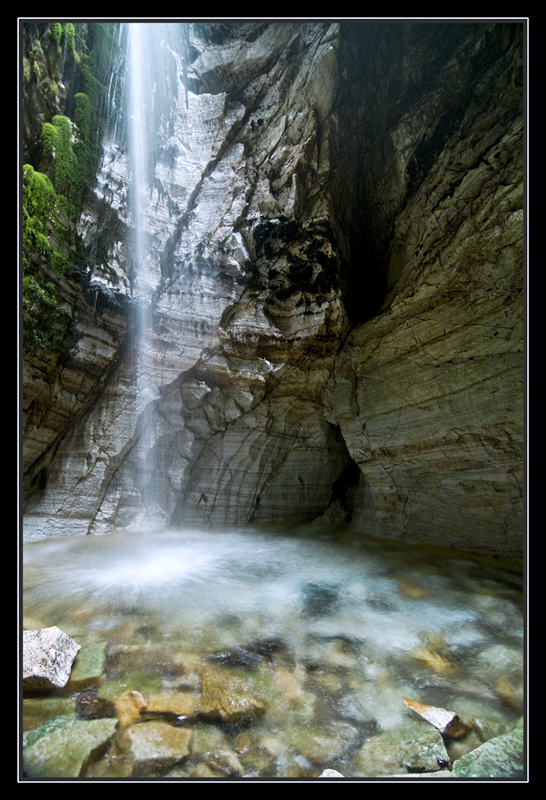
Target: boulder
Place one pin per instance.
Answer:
(48, 655)
(60, 748)
(413, 748)
(152, 746)
(501, 757)
(227, 697)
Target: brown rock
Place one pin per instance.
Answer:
(227, 697)
(128, 707)
(89, 706)
(182, 705)
(153, 745)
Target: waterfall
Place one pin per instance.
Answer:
(144, 270)
(154, 55)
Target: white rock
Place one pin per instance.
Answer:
(48, 655)
(447, 722)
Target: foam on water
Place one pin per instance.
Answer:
(375, 623)
(329, 590)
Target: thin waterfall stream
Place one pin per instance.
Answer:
(282, 651)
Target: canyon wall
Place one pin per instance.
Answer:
(335, 288)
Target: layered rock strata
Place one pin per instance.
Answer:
(335, 279)
(429, 393)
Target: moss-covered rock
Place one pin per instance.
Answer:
(59, 748)
(501, 757)
(414, 748)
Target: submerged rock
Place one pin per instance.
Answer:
(162, 660)
(88, 666)
(227, 697)
(48, 655)
(60, 748)
(502, 757)
(412, 749)
(322, 743)
(89, 706)
(237, 657)
(153, 745)
(128, 707)
(183, 706)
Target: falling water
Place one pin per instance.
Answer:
(144, 270)
(153, 54)
(331, 632)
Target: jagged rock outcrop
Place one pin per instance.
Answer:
(335, 279)
(429, 392)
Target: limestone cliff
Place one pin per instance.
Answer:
(429, 392)
(334, 285)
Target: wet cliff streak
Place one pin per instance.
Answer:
(274, 272)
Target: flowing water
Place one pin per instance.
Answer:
(328, 631)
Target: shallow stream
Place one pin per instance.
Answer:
(330, 632)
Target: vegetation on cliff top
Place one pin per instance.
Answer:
(56, 188)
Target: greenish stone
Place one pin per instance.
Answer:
(39, 709)
(413, 748)
(501, 757)
(89, 664)
(59, 748)
(324, 743)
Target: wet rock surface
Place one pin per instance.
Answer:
(336, 285)
(60, 748)
(331, 692)
(217, 734)
(502, 757)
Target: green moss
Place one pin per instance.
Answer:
(57, 138)
(72, 148)
(70, 33)
(54, 194)
(43, 211)
(39, 199)
(56, 32)
(39, 194)
(48, 325)
(82, 116)
(68, 155)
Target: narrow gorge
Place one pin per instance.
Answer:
(273, 279)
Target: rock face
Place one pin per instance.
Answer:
(335, 278)
(428, 392)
